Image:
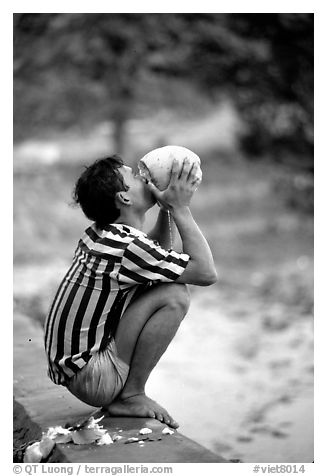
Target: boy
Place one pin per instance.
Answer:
(124, 296)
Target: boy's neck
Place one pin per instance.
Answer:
(131, 219)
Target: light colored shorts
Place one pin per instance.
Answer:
(101, 379)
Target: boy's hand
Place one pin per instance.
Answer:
(182, 185)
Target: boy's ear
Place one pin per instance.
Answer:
(123, 198)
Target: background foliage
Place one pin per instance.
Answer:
(79, 68)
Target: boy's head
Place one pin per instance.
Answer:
(107, 186)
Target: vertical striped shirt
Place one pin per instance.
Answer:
(108, 267)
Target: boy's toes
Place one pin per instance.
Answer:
(167, 418)
(159, 416)
(151, 414)
(173, 423)
(167, 421)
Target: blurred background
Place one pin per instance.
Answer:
(237, 89)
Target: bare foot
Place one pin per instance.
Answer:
(140, 406)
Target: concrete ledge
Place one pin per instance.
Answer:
(46, 404)
(25, 431)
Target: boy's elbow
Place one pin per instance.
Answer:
(212, 280)
(209, 279)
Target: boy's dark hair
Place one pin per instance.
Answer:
(96, 189)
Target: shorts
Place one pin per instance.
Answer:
(101, 379)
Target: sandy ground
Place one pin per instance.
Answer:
(243, 390)
(240, 383)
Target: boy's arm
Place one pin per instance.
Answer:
(161, 232)
(200, 269)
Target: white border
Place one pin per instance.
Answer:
(169, 6)
(320, 466)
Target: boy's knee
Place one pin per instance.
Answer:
(178, 297)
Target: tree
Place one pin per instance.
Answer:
(264, 62)
(110, 50)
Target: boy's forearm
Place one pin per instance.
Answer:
(194, 243)
(161, 230)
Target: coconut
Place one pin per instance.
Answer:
(156, 165)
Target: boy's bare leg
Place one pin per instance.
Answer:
(143, 334)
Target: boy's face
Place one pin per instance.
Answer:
(138, 192)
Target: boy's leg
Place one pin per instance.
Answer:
(143, 334)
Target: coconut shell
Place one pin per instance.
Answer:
(156, 165)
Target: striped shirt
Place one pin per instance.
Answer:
(108, 267)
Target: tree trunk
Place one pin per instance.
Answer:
(121, 112)
(119, 135)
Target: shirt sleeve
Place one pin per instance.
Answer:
(144, 261)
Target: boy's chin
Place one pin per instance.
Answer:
(152, 199)
(152, 203)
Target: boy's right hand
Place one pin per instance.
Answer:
(182, 185)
